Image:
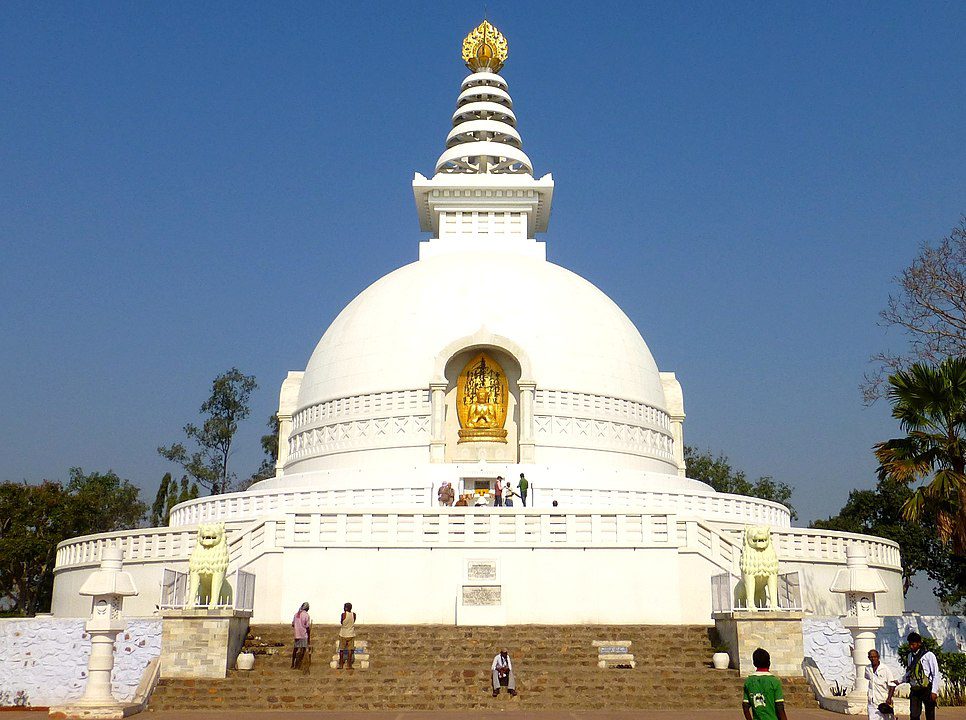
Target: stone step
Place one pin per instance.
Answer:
(447, 668)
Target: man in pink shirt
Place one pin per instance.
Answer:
(302, 628)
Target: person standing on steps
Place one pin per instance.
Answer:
(922, 674)
(763, 698)
(347, 635)
(523, 486)
(302, 629)
(498, 492)
(502, 673)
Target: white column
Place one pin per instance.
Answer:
(863, 640)
(437, 443)
(288, 398)
(99, 666)
(284, 432)
(525, 431)
(677, 433)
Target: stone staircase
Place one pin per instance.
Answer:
(435, 667)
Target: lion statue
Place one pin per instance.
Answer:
(207, 567)
(758, 587)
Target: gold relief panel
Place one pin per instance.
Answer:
(481, 401)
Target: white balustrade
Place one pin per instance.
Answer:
(458, 527)
(253, 505)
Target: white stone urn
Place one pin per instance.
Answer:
(721, 660)
(245, 661)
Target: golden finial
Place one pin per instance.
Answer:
(484, 49)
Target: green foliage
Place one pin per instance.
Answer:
(207, 463)
(718, 473)
(270, 449)
(948, 571)
(170, 493)
(929, 401)
(879, 512)
(952, 666)
(34, 518)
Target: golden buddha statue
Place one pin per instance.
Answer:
(481, 401)
(482, 411)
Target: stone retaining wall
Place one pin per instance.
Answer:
(828, 643)
(45, 658)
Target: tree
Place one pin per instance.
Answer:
(929, 401)
(930, 306)
(32, 522)
(34, 518)
(169, 494)
(879, 512)
(227, 405)
(718, 473)
(270, 450)
(948, 571)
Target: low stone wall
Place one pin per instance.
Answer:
(199, 642)
(829, 644)
(45, 658)
(778, 632)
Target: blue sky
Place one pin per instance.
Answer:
(189, 186)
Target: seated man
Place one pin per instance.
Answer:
(502, 673)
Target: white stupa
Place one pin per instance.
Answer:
(483, 360)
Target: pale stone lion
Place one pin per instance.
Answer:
(759, 570)
(207, 567)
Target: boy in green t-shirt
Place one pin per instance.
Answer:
(763, 699)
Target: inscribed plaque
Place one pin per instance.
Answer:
(481, 570)
(477, 595)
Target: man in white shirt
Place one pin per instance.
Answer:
(922, 674)
(502, 673)
(882, 685)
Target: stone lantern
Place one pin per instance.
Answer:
(107, 587)
(860, 583)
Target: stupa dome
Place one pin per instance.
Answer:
(478, 429)
(571, 336)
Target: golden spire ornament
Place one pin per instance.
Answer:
(485, 49)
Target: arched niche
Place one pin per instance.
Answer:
(515, 363)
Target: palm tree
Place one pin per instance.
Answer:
(929, 401)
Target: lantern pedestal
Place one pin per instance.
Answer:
(107, 587)
(860, 584)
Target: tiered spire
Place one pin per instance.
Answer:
(483, 193)
(484, 139)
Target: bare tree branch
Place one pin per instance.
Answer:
(930, 306)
